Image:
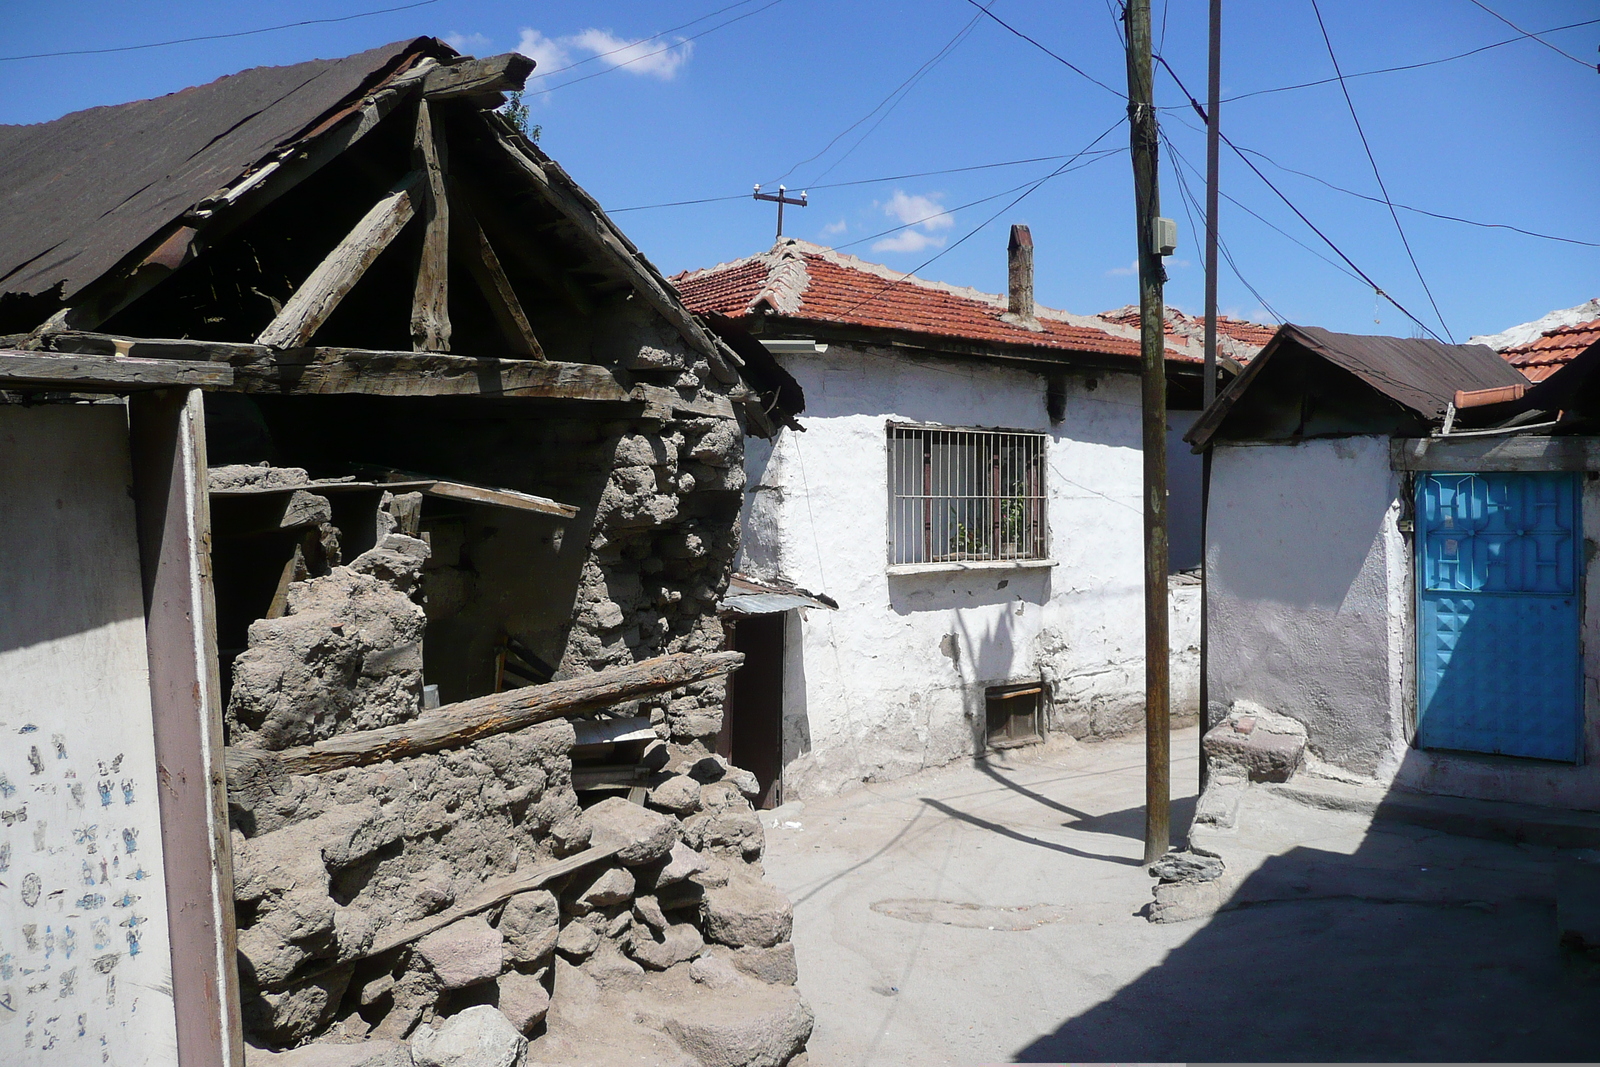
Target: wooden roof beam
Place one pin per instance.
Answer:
(337, 274)
(430, 302)
(478, 77)
(112, 373)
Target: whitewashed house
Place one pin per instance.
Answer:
(1398, 542)
(967, 489)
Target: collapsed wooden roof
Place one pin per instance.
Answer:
(282, 190)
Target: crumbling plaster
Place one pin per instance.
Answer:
(893, 681)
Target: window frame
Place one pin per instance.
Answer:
(994, 505)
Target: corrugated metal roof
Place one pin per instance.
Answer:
(1419, 374)
(79, 193)
(746, 596)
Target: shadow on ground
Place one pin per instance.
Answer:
(1325, 956)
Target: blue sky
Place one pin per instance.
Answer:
(1510, 135)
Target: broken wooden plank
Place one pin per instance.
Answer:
(484, 899)
(106, 372)
(478, 77)
(484, 266)
(707, 404)
(612, 731)
(337, 274)
(430, 301)
(500, 498)
(472, 720)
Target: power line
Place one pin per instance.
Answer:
(905, 86)
(860, 181)
(970, 233)
(1301, 215)
(1393, 214)
(1410, 66)
(1190, 201)
(644, 40)
(658, 51)
(1541, 40)
(1075, 69)
(218, 36)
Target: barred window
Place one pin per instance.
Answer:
(965, 495)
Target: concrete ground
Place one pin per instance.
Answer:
(991, 914)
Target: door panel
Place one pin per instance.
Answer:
(1499, 661)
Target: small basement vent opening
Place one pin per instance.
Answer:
(1013, 714)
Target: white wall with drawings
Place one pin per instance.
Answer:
(85, 967)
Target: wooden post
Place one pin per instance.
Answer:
(430, 310)
(1143, 133)
(1209, 384)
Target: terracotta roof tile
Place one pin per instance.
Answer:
(806, 282)
(1547, 353)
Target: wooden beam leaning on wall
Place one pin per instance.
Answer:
(471, 720)
(430, 302)
(337, 274)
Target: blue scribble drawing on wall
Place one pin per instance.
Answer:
(105, 792)
(30, 889)
(88, 873)
(5, 857)
(130, 840)
(30, 934)
(90, 901)
(8, 971)
(88, 836)
(76, 789)
(100, 929)
(49, 941)
(6, 788)
(133, 922)
(138, 874)
(20, 815)
(60, 743)
(69, 941)
(115, 765)
(128, 900)
(81, 1028)
(127, 790)
(27, 728)
(69, 983)
(35, 760)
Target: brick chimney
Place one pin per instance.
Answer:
(1019, 275)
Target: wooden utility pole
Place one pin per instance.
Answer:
(1208, 389)
(1143, 132)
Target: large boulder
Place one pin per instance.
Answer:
(746, 911)
(523, 1000)
(479, 1036)
(530, 924)
(639, 834)
(464, 953)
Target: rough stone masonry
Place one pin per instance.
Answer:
(674, 950)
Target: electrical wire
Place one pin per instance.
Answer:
(1406, 66)
(1191, 208)
(218, 36)
(658, 51)
(972, 232)
(1389, 203)
(1070, 66)
(1541, 40)
(1301, 215)
(902, 90)
(858, 181)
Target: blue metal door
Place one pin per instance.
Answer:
(1499, 666)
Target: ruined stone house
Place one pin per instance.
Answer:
(457, 508)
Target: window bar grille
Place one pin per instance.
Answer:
(966, 495)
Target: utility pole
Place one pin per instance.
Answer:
(781, 200)
(1143, 133)
(1209, 386)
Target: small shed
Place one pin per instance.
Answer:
(1397, 544)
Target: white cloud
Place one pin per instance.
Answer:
(924, 211)
(1123, 272)
(908, 241)
(922, 215)
(652, 58)
(547, 55)
(471, 44)
(834, 229)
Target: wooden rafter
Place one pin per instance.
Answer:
(478, 77)
(430, 304)
(335, 276)
(473, 248)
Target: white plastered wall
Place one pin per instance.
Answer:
(893, 681)
(1312, 615)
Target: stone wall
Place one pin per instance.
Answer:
(676, 942)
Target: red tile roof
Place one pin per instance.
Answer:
(1252, 335)
(1547, 353)
(802, 281)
